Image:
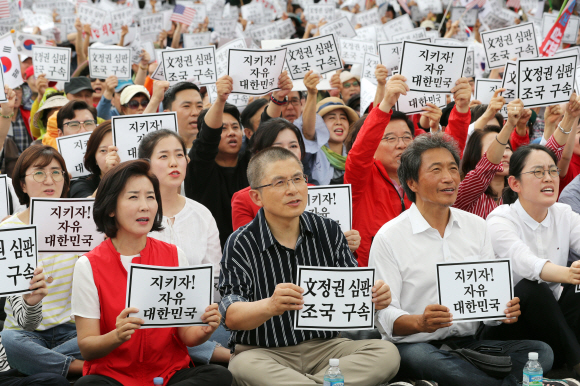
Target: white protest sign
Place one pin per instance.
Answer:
(2, 92)
(578, 288)
(285, 28)
(62, 7)
(469, 69)
(91, 15)
(367, 34)
(223, 53)
(475, 291)
(196, 40)
(151, 24)
(431, 67)
(390, 54)
(484, 89)
(105, 34)
(4, 196)
(341, 28)
(120, 18)
(128, 130)
(226, 28)
(255, 72)
(332, 201)
(399, 25)
(568, 51)
(504, 44)
(252, 12)
(414, 101)
(267, 32)
(369, 66)
(318, 53)
(65, 224)
(106, 61)
(546, 81)
(73, 149)
(353, 51)
(426, 6)
(19, 258)
(449, 42)
(571, 31)
(415, 34)
(469, 17)
(315, 13)
(200, 15)
(335, 298)
(169, 296)
(509, 81)
(195, 65)
(367, 18)
(52, 61)
(368, 90)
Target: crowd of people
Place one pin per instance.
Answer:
(230, 188)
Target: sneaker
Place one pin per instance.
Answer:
(554, 382)
(572, 382)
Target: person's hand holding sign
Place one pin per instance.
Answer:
(434, 317)
(285, 85)
(38, 285)
(126, 326)
(41, 85)
(381, 295)
(513, 312)
(110, 84)
(395, 87)
(212, 317)
(381, 73)
(430, 117)
(462, 95)
(515, 109)
(286, 297)
(7, 108)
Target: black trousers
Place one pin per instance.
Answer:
(555, 322)
(9, 378)
(213, 375)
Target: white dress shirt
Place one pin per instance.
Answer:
(405, 252)
(530, 244)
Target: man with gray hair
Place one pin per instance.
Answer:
(259, 297)
(405, 252)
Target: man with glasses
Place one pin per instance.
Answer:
(259, 297)
(73, 118)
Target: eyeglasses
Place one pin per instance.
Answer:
(353, 84)
(540, 172)
(95, 79)
(391, 139)
(76, 125)
(294, 102)
(283, 183)
(134, 104)
(40, 175)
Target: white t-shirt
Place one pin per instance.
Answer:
(85, 296)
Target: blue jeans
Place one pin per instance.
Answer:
(204, 351)
(48, 351)
(7, 378)
(426, 361)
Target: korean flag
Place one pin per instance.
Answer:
(10, 62)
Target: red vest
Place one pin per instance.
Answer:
(151, 352)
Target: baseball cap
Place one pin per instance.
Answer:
(77, 85)
(122, 84)
(30, 72)
(130, 91)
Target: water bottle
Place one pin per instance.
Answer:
(333, 376)
(158, 381)
(533, 373)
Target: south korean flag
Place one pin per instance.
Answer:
(25, 42)
(10, 62)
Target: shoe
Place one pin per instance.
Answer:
(426, 383)
(572, 382)
(554, 382)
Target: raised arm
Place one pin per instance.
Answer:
(460, 114)
(569, 121)
(274, 110)
(311, 81)
(176, 36)
(381, 74)
(494, 106)
(159, 88)
(7, 112)
(81, 56)
(215, 115)
(124, 32)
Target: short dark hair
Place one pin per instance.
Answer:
(265, 157)
(268, 131)
(399, 116)
(171, 93)
(93, 145)
(411, 158)
(68, 111)
(478, 110)
(110, 189)
(251, 110)
(148, 142)
(39, 156)
(228, 109)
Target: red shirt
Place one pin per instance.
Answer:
(457, 128)
(517, 140)
(573, 171)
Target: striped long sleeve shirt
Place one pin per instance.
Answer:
(253, 264)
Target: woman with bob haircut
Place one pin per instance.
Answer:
(536, 233)
(100, 157)
(40, 172)
(127, 207)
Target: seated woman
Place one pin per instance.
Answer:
(134, 100)
(127, 207)
(536, 233)
(100, 157)
(187, 224)
(52, 347)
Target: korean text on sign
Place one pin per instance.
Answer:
(151, 24)
(504, 44)
(509, 81)
(319, 54)
(107, 61)
(390, 54)
(475, 290)
(73, 149)
(484, 90)
(255, 72)
(431, 67)
(129, 130)
(353, 51)
(546, 81)
(332, 201)
(335, 298)
(4, 196)
(52, 61)
(67, 224)
(170, 296)
(341, 28)
(18, 259)
(414, 101)
(195, 65)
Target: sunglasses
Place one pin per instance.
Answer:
(134, 104)
(347, 85)
(95, 79)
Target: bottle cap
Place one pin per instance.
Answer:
(334, 362)
(158, 381)
(533, 356)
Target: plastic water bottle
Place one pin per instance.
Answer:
(333, 376)
(533, 373)
(158, 381)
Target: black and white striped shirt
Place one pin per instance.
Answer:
(253, 264)
(27, 317)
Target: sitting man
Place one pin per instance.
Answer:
(404, 253)
(73, 118)
(259, 299)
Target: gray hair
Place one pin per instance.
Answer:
(411, 158)
(263, 158)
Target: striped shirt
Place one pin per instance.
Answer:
(253, 264)
(56, 306)
(28, 318)
(471, 195)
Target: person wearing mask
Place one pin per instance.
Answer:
(73, 118)
(185, 99)
(79, 89)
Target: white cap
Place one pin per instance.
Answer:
(533, 356)
(334, 362)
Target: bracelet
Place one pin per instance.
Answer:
(503, 144)
(7, 116)
(277, 102)
(143, 68)
(562, 130)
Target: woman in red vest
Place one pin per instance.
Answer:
(117, 352)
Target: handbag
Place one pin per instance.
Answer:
(487, 359)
